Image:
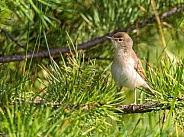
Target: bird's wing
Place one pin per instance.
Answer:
(138, 66)
(139, 69)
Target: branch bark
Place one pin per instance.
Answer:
(14, 39)
(85, 45)
(142, 108)
(121, 109)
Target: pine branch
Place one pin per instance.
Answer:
(85, 45)
(142, 108)
(119, 108)
(122, 109)
(14, 39)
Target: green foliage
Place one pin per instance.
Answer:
(81, 81)
(74, 81)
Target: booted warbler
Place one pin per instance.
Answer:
(127, 70)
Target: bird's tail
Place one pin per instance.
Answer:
(147, 87)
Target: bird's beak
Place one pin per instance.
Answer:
(109, 37)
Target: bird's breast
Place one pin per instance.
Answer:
(123, 71)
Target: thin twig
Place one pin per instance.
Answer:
(159, 23)
(142, 108)
(86, 44)
(119, 108)
(122, 109)
(14, 39)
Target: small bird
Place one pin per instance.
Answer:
(127, 70)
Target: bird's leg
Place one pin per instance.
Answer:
(134, 96)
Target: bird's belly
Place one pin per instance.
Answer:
(126, 76)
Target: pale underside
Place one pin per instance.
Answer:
(127, 70)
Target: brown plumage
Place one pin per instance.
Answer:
(138, 66)
(127, 69)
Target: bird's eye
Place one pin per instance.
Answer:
(120, 39)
